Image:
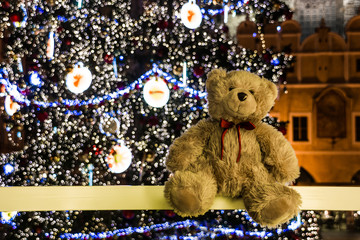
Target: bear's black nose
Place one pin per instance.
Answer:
(242, 96)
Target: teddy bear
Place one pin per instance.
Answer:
(234, 153)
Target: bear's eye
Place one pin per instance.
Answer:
(231, 88)
(251, 91)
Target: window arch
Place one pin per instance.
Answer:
(331, 114)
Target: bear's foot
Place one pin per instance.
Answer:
(278, 211)
(185, 200)
(191, 194)
(271, 205)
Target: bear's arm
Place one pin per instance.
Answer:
(190, 145)
(279, 156)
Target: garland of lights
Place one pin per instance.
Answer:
(13, 90)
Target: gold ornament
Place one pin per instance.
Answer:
(148, 156)
(177, 70)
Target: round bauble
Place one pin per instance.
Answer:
(11, 107)
(109, 125)
(42, 116)
(5, 5)
(177, 70)
(15, 17)
(156, 92)
(119, 159)
(108, 58)
(78, 79)
(2, 88)
(128, 214)
(162, 24)
(199, 71)
(191, 15)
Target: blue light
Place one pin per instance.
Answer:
(115, 68)
(275, 61)
(215, 12)
(90, 168)
(11, 223)
(62, 19)
(74, 112)
(121, 58)
(39, 9)
(20, 66)
(35, 79)
(254, 34)
(8, 169)
(278, 28)
(18, 134)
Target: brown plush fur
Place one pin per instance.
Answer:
(267, 159)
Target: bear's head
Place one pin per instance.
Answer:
(239, 96)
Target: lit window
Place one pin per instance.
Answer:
(300, 128)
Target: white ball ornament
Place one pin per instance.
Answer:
(79, 79)
(156, 92)
(11, 107)
(191, 15)
(119, 159)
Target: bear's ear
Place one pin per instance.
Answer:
(215, 78)
(272, 89)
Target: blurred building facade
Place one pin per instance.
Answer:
(335, 12)
(323, 100)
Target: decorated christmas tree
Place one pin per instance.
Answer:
(98, 97)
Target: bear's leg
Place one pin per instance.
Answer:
(191, 194)
(271, 204)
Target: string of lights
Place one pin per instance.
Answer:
(13, 90)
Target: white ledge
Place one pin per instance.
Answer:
(60, 198)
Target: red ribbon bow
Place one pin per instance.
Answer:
(227, 125)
